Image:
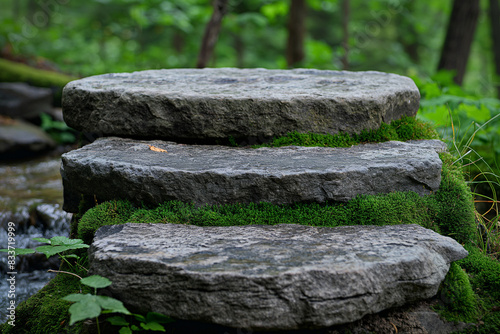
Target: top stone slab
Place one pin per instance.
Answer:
(208, 104)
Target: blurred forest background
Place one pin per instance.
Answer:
(451, 48)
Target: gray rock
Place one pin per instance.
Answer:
(20, 100)
(271, 277)
(21, 138)
(114, 168)
(204, 104)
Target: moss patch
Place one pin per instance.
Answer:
(16, 72)
(407, 128)
(457, 294)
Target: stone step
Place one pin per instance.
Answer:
(271, 277)
(211, 104)
(115, 168)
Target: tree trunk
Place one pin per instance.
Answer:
(345, 28)
(458, 41)
(296, 33)
(211, 33)
(495, 35)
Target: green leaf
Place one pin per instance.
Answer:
(85, 309)
(117, 321)
(111, 304)
(19, 251)
(72, 256)
(96, 281)
(153, 326)
(45, 241)
(75, 297)
(125, 330)
(51, 250)
(135, 328)
(55, 241)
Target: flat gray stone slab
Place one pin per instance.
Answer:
(114, 168)
(271, 277)
(215, 103)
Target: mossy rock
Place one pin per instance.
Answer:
(17, 72)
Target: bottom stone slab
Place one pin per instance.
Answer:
(271, 277)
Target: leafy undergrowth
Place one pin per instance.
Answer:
(407, 128)
(45, 312)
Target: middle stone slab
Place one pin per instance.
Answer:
(152, 172)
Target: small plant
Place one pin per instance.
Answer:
(56, 245)
(88, 306)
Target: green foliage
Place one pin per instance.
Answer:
(45, 312)
(56, 245)
(152, 321)
(407, 128)
(457, 294)
(57, 130)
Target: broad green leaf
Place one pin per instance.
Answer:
(117, 321)
(55, 241)
(96, 281)
(76, 297)
(125, 330)
(19, 251)
(140, 317)
(135, 328)
(77, 246)
(45, 241)
(153, 326)
(51, 250)
(84, 309)
(111, 304)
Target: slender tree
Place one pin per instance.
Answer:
(211, 33)
(296, 32)
(459, 36)
(494, 12)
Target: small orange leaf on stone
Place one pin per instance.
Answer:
(156, 149)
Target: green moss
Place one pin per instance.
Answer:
(107, 213)
(455, 215)
(484, 272)
(407, 128)
(16, 72)
(45, 312)
(457, 294)
(449, 211)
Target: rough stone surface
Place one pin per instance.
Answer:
(21, 138)
(204, 104)
(115, 168)
(20, 100)
(271, 277)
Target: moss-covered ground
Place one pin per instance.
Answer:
(470, 292)
(17, 72)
